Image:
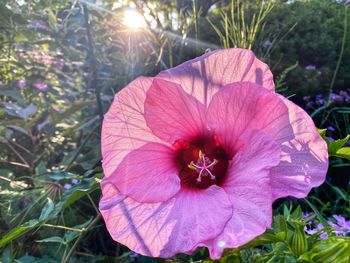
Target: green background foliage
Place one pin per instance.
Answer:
(50, 160)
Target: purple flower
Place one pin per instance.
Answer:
(134, 255)
(41, 86)
(344, 94)
(330, 139)
(310, 231)
(74, 181)
(267, 43)
(310, 67)
(313, 231)
(319, 101)
(324, 236)
(336, 98)
(306, 98)
(21, 83)
(331, 128)
(59, 63)
(39, 26)
(67, 186)
(306, 215)
(309, 105)
(341, 221)
(341, 227)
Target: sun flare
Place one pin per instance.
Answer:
(133, 19)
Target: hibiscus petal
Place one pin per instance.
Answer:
(304, 159)
(173, 114)
(202, 77)
(124, 126)
(148, 174)
(165, 229)
(248, 187)
(241, 106)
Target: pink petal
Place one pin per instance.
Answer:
(241, 106)
(202, 77)
(124, 126)
(165, 229)
(148, 174)
(173, 114)
(304, 159)
(248, 186)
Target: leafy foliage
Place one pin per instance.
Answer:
(335, 148)
(62, 61)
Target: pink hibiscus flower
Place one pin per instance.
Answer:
(197, 155)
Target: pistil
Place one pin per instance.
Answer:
(203, 167)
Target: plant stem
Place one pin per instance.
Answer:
(328, 103)
(340, 54)
(18, 154)
(71, 251)
(93, 82)
(63, 227)
(81, 147)
(93, 204)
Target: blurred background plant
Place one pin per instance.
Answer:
(62, 61)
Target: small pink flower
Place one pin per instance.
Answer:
(40, 86)
(197, 155)
(56, 109)
(21, 83)
(23, 54)
(46, 59)
(37, 56)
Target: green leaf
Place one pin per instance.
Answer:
(79, 193)
(297, 213)
(336, 148)
(51, 16)
(7, 255)
(47, 210)
(14, 94)
(75, 107)
(18, 231)
(267, 238)
(322, 132)
(343, 153)
(60, 175)
(286, 212)
(334, 249)
(40, 168)
(30, 259)
(76, 193)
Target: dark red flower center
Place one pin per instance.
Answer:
(202, 162)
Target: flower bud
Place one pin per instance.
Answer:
(298, 243)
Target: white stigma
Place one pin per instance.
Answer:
(204, 166)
